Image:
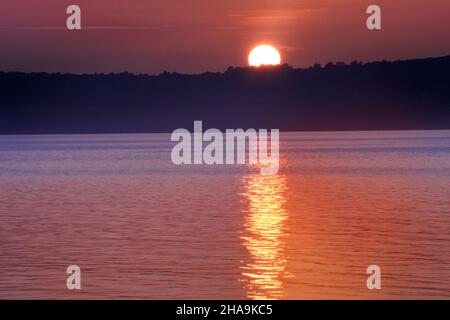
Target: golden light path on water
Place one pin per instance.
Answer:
(265, 224)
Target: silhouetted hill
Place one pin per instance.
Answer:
(413, 94)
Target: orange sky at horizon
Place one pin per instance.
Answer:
(194, 36)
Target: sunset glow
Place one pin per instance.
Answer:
(264, 55)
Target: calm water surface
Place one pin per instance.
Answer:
(140, 227)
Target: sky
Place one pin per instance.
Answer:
(194, 36)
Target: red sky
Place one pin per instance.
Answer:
(145, 36)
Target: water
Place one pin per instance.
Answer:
(140, 227)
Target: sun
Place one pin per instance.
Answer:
(264, 55)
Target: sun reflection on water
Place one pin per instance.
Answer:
(264, 227)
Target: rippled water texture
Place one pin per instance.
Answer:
(140, 227)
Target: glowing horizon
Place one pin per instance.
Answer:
(188, 37)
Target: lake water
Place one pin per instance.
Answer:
(140, 227)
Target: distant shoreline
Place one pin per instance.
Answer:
(400, 95)
(125, 72)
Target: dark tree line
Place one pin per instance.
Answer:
(412, 94)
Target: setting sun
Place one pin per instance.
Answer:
(264, 55)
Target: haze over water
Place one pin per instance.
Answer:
(140, 227)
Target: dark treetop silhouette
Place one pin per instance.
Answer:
(412, 94)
